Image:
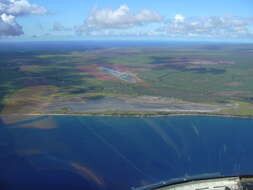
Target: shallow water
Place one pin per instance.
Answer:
(74, 152)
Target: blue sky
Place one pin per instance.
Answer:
(128, 19)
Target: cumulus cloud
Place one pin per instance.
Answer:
(122, 21)
(179, 18)
(121, 18)
(10, 10)
(227, 26)
(8, 26)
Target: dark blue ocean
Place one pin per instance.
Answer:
(116, 153)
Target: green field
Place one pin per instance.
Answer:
(49, 82)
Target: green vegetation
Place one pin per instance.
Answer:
(30, 82)
(243, 109)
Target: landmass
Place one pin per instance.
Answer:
(147, 80)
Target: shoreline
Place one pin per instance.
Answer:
(129, 115)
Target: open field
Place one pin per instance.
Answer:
(207, 78)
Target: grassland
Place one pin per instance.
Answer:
(34, 81)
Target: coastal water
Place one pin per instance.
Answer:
(107, 153)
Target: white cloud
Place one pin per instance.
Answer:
(179, 18)
(8, 19)
(121, 18)
(10, 10)
(8, 26)
(212, 27)
(20, 8)
(124, 22)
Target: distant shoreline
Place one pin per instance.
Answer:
(129, 115)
